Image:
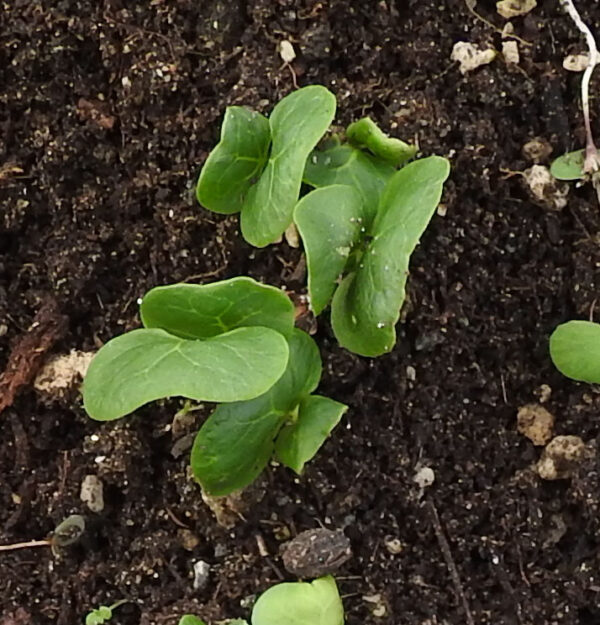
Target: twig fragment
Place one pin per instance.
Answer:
(27, 355)
(27, 545)
(449, 560)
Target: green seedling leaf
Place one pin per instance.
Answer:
(189, 619)
(237, 441)
(194, 311)
(297, 123)
(236, 162)
(366, 306)
(330, 221)
(98, 616)
(568, 166)
(366, 133)
(575, 350)
(300, 603)
(103, 613)
(343, 164)
(148, 364)
(299, 441)
(237, 621)
(234, 446)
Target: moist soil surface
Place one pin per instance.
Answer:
(107, 111)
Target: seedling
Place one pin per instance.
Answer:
(231, 342)
(575, 350)
(103, 613)
(256, 168)
(367, 236)
(362, 222)
(239, 439)
(219, 342)
(293, 603)
(581, 164)
(67, 532)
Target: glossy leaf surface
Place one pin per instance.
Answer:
(329, 221)
(568, 166)
(148, 364)
(202, 311)
(366, 133)
(575, 350)
(297, 123)
(300, 603)
(298, 442)
(344, 164)
(237, 441)
(366, 306)
(236, 162)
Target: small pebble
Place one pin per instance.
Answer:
(515, 8)
(189, 541)
(201, 573)
(92, 493)
(545, 188)
(393, 545)
(561, 457)
(470, 57)
(424, 477)
(286, 51)
(536, 423)
(537, 150)
(510, 52)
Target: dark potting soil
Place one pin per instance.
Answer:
(107, 111)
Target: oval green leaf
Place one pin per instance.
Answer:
(366, 305)
(236, 442)
(299, 441)
(190, 619)
(568, 166)
(343, 164)
(195, 311)
(148, 364)
(330, 221)
(297, 123)
(300, 603)
(236, 162)
(366, 133)
(575, 350)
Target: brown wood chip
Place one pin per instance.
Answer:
(28, 352)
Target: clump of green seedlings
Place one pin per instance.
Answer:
(293, 603)
(233, 343)
(359, 225)
(583, 164)
(575, 350)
